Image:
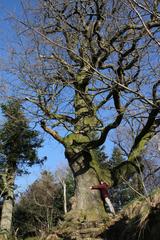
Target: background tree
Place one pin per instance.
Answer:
(124, 139)
(126, 190)
(18, 144)
(41, 206)
(65, 178)
(151, 173)
(88, 67)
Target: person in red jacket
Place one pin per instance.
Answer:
(103, 188)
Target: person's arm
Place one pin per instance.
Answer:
(99, 186)
(107, 186)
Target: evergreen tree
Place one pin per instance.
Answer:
(41, 206)
(18, 145)
(70, 188)
(117, 157)
(102, 157)
(122, 193)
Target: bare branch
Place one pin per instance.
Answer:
(53, 133)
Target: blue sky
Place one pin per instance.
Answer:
(55, 159)
(53, 150)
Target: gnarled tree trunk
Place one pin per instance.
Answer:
(87, 204)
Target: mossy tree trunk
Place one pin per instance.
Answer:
(87, 204)
(83, 161)
(8, 202)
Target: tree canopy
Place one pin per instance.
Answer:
(89, 67)
(94, 68)
(18, 146)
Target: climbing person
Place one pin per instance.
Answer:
(103, 188)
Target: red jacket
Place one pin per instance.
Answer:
(103, 187)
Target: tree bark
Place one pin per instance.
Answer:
(87, 203)
(87, 200)
(6, 217)
(7, 207)
(64, 197)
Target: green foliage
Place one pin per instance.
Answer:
(121, 194)
(102, 157)
(24, 219)
(117, 157)
(18, 148)
(70, 188)
(18, 143)
(41, 206)
(100, 161)
(65, 179)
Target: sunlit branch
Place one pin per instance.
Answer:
(53, 133)
(89, 65)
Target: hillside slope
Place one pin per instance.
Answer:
(140, 219)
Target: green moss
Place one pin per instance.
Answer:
(82, 75)
(102, 173)
(73, 137)
(91, 121)
(140, 147)
(79, 216)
